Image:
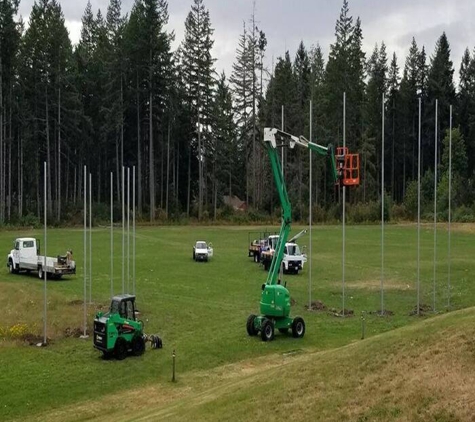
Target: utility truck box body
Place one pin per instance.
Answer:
(25, 256)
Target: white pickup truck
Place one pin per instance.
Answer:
(26, 257)
(202, 251)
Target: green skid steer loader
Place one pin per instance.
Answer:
(118, 332)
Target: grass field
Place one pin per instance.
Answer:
(200, 310)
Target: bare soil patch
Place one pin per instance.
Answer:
(317, 305)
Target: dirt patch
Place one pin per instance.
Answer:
(423, 310)
(342, 312)
(76, 302)
(386, 312)
(33, 339)
(317, 305)
(293, 301)
(73, 332)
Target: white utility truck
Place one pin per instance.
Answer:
(25, 256)
(293, 259)
(202, 251)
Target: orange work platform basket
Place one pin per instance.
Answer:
(348, 166)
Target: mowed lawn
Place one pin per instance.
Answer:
(200, 309)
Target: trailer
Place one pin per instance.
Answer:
(25, 256)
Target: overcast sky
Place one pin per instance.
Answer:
(287, 22)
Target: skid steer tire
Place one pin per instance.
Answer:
(138, 346)
(120, 349)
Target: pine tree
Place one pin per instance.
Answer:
(9, 44)
(440, 86)
(199, 80)
(393, 118)
(345, 74)
(466, 106)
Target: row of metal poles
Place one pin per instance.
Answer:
(130, 288)
(383, 209)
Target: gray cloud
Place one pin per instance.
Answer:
(286, 23)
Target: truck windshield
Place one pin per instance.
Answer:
(201, 245)
(293, 250)
(273, 242)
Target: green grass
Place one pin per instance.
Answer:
(200, 309)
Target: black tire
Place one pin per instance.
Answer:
(138, 346)
(298, 327)
(283, 330)
(106, 355)
(41, 275)
(11, 267)
(267, 330)
(120, 349)
(194, 255)
(251, 329)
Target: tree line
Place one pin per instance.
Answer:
(124, 97)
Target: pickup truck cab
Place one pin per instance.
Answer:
(202, 251)
(25, 256)
(292, 261)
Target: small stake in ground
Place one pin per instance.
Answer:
(363, 324)
(173, 365)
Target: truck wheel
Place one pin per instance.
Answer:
(40, 273)
(138, 346)
(120, 349)
(11, 267)
(251, 328)
(267, 331)
(298, 327)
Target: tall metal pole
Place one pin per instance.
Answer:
(128, 229)
(282, 151)
(419, 212)
(112, 235)
(450, 210)
(90, 238)
(344, 209)
(123, 230)
(382, 208)
(282, 168)
(133, 229)
(435, 200)
(85, 254)
(310, 218)
(45, 254)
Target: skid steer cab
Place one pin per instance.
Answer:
(118, 332)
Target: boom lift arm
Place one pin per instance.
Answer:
(274, 139)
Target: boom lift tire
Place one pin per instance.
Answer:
(267, 331)
(120, 349)
(298, 327)
(251, 329)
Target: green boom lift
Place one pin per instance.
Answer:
(275, 298)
